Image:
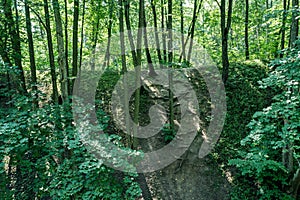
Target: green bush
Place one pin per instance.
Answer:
(41, 156)
(270, 152)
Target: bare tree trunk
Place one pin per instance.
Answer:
(61, 52)
(148, 55)
(170, 64)
(81, 42)
(195, 16)
(51, 54)
(124, 70)
(164, 40)
(182, 32)
(284, 16)
(95, 40)
(31, 55)
(225, 27)
(13, 30)
(191, 30)
(295, 184)
(109, 30)
(30, 172)
(67, 46)
(156, 33)
(75, 42)
(247, 52)
(295, 23)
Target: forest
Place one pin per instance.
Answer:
(149, 99)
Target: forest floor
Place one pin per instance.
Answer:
(189, 178)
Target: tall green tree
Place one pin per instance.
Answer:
(225, 28)
(31, 53)
(14, 33)
(61, 52)
(51, 53)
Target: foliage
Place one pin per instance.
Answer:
(274, 132)
(42, 143)
(168, 133)
(244, 98)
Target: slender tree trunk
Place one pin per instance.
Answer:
(136, 63)
(156, 33)
(295, 23)
(191, 31)
(31, 172)
(182, 32)
(31, 54)
(51, 54)
(225, 27)
(295, 184)
(61, 52)
(124, 70)
(67, 46)
(247, 52)
(81, 36)
(148, 55)
(195, 16)
(136, 55)
(109, 30)
(13, 30)
(137, 67)
(164, 37)
(170, 64)
(283, 27)
(95, 40)
(75, 41)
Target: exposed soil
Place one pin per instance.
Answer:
(189, 177)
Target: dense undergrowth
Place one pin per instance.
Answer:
(42, 156)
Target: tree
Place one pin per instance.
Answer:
(61, 52)
(75, 41)
(295, 23)
(51, 54)
(13, 30)
(156, 33)
(225, 28)
(31, 54)
(283, 28)
(247, 53)
(67, 46)
(109, 32)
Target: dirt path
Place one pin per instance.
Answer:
(189, 178)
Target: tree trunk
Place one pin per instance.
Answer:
(67, 46)
(124, 70)
(51, 54)
(284, 16)
(75, 42)
(95, 40)
(31, 55)
(109, 30)
(148, 55)
(295, 183)
(225, 27)
(247, 52)
(81, 42)
(170, 64)
(13, 30)
(295, 23)
(156, 33)
(61, 52)
(192, 33)
(164, 40)
(182, 32)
